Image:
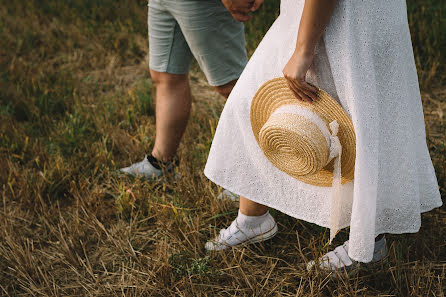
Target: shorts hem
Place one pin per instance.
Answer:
(225, 80)
(169, 70)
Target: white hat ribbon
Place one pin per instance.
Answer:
(335, 152)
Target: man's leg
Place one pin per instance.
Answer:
(252, 224)
(173, 102)
(220, 53)
(170, 58)
(226, 89)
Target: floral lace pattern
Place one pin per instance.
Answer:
(365, 61)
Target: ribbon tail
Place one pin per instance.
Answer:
(336, 204)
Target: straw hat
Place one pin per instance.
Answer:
(303, 139)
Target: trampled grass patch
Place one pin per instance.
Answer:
(76, 104)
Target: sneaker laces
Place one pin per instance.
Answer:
(224, 233)
(339, 257)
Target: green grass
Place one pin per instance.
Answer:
(76, 103)
(427, 21)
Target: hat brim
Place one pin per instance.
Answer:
(275, 93)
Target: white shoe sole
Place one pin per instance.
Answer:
(262, 237)
(311, 266)
(154, 177)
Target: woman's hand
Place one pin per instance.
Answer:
(315, 17)
(295, 71)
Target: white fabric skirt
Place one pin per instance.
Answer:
(365, 61)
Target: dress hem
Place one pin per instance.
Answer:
(240, 193)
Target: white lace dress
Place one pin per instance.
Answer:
(365, 61)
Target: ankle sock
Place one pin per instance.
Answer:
(159, 164)
(154, 161)
(245, 221)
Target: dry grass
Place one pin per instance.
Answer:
(76, 105)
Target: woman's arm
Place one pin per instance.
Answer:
(315, 17)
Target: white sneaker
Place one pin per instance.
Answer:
(142, 169)
(339, 258)
(235, 234)
(228, 195)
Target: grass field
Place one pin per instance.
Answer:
(76, 103)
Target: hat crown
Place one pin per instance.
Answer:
(301, 135)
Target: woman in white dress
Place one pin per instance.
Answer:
(360, 52)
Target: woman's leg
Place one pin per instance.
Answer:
(251, 208)
(252, 224)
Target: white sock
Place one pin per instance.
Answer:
(249, 222)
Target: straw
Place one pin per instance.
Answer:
(294, 143)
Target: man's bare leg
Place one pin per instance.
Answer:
(173, 102)
(226, 89)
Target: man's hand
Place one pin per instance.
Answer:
(240, 8)
(256, 5)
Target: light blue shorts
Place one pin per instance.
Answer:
(180, 30)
